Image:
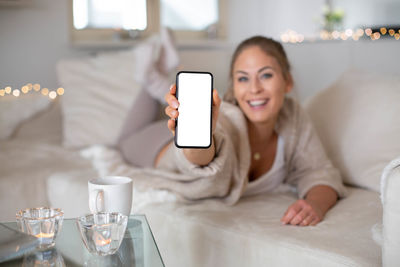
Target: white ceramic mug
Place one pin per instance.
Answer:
(110, 194)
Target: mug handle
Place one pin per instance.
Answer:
(96, 201)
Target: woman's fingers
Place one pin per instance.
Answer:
(307, 220)
(171, 112)
(171, 126)
(216, 99)
(171, 109)
(290, 213)
(170, 97)
(301, 213)
(300, 216)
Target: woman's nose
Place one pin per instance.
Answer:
(255, 86)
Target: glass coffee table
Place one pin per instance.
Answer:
(137, 249)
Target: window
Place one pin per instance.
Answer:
(119, 21)
(116, 14)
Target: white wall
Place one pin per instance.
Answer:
(34, 37)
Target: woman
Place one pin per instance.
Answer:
(281, 140)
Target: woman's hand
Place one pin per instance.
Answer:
(201, 157)
(302, 213)
(172, 109)
(319, 200)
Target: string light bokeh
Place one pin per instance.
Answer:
(29, 87)
(291, 36)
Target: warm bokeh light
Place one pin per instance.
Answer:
(335, 34)
(60, 91)
(391, 32)
(349, 32)
(7, 90)
(52, 95)
(324, 35)
(377, 35)
(45, 91)
(368, 31)
(355, 37)
(25, 89)
(383, 30)
(343, 36)
(36, 87)
(29, 86)
(397, 36)
(359, 32)
(2, 92)
(16, 92)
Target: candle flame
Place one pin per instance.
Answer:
(100, 240)
(45, 235)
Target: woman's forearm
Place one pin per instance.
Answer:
(322, 195)
(200, 157)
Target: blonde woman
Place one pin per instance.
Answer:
(261, 140)
(284, 147)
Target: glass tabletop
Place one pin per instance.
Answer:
(137, 249)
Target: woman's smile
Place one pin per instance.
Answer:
(258, 104)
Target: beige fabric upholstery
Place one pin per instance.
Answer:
(391, 215)
(99, 91)
(358, 121)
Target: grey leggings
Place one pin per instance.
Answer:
(142, 136)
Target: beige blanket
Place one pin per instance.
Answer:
(226, 177)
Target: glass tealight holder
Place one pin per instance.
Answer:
(102, 233)
(43, 223)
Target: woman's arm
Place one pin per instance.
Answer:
(311, 210)
(200, 157)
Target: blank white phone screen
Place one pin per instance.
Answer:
(195, 100)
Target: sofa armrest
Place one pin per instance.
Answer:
(390, 196)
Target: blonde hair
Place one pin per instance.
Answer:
(268, 46)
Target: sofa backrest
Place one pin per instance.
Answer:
(358, 121)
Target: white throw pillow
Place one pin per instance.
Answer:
(99, 91)
(358, 121)
(14, 110)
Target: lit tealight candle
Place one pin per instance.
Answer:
(45, 235)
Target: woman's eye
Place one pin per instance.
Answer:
(266, 75)
(242, 79)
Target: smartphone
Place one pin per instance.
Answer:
(193, 125)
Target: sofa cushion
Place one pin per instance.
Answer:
(358, 121)
(247, 234)
(99, 90)
(15, 110)
(250, 233)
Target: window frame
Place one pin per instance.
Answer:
(111, 37)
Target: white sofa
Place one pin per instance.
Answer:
(357, 119)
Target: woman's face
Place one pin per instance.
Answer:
(258, 85)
